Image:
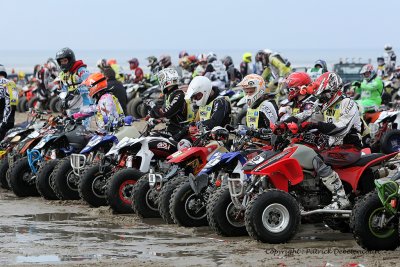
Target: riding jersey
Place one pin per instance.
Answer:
(261, 116)
(8, 102)
(371, 93)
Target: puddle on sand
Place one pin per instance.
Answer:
(61, 258)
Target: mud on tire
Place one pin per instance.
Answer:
(182, 198)
(219, 209)
(367, 236)
(43, 180)
(63, 180)
(165, 196)
(142, 204)
(89, 184)
(272, 217)
(19, 173)
(3, 171)
(119, 190)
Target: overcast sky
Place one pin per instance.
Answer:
(201, 24)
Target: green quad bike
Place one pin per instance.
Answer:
(375, 217)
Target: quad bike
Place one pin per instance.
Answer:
(130, 159)
(13, 138)
(178, 203)
(289, 188)
(384, 129)
(223, 216)
(375, 217)
(45, 157)
(86, 164)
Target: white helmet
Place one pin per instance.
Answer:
(388, 47)
(168, 77)
(199, 85)
(267, 51)
(253, 81)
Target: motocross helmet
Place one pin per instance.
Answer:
(199, 90)
(254, 88)
(68, 54)
(227, 61)
(168, 78)
(135, 62)
(328, 89)
(96, 83)
(388, 47)
(296, 84)
(247, 57)
(152, 61)
(219, 133)
(102, 64)
(165, 61)
(111, 61)
(321, 63)
(380, 61)
(3, 71)
(183, 53)
(368, 72)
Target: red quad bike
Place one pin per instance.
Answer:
(152, 193)
(292, 188)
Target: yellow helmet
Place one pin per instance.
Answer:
(21, 75)
(247, 57)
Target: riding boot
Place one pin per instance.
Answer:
(339, 198)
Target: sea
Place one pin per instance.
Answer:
(25, 60)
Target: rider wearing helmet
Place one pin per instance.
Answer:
(371, 89)
(176, 109)
(116, 88)
(106, 105)
(299, 98)
(234, 75)
(119, 73)
(45, 78)
(246, 67)
(381, 70)
(201, 67)
(216, 71)
(318, 69)
(102, 64)
(138, 72)
(276, 68)
(342, 126)
(73, 73)
(165, 61)
(183, 53)
(8, 102)
(214, 110)
(260, 112)
(390, 58)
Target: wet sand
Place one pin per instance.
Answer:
(40, 232)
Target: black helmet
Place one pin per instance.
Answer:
(152, 61)
(66, 53)
(3, 71)
(227, 61)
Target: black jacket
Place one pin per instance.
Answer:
(221, 111)
(117, 89)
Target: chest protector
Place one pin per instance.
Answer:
(332, 114)
(206, 111)
(70, 80)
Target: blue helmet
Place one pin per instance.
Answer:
(321, 63)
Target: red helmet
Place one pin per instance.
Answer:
(297, 83)
(135, 62)
(328, 88)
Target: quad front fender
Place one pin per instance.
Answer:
(283, 172)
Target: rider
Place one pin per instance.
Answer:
(342, 126)
(106, 105)
(298, 96)
(390, 57)
(102, 64)
(45, 77)
(371, 89)
(176, 109)
(261, 112)
(138, 72)
(319, 68)
(116, 87)
(381, 70)
(216, 72)
(234, 75)
(214, 110)
(8, 102)
(246, 67)
(276, 68)
(73, 72)
(119, 73)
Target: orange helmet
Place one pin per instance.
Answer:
(96, 82)
(111, 61)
